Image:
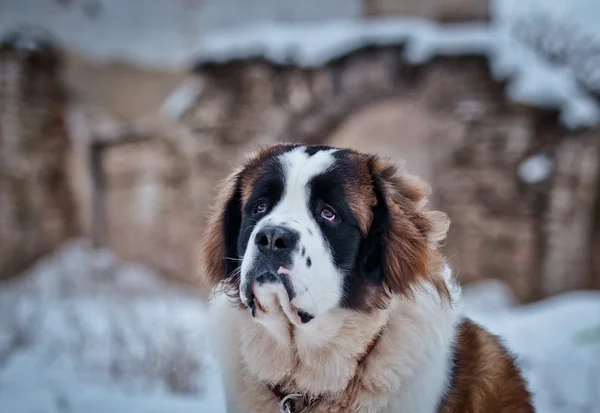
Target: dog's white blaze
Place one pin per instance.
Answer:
(318, 287)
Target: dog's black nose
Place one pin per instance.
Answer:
(276, 239)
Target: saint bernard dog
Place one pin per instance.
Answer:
(329, 294)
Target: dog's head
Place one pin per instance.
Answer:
(301, 230)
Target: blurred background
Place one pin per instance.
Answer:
(118, 119)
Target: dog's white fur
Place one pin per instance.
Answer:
(407, 371)
(318, 288)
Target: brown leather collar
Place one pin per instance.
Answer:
(298, 403)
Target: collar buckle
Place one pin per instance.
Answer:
(286, 405)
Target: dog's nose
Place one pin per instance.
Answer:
(276, 239)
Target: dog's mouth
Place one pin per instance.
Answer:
(254, 306)
(270, 294)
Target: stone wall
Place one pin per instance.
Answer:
(36, 206)
(447, 118)
(156, 190)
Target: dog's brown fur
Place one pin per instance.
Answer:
(413, 307)
(486, 378)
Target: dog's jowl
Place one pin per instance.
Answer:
(330, 293)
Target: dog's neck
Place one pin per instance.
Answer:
(407, 369)
(318, 358)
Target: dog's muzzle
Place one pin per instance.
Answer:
(276, 288)
(269, 278)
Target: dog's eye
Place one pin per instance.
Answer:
(328, 214)
(260, 208)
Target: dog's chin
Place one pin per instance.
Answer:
(269, 301)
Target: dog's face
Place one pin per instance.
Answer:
(299, 237)
(302, 230)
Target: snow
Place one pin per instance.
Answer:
(488, 295)
(316, 44)
(560, 367)
(83, 331)
(182, 98)
(178, 34)
(157, 33)
(532, 79)
(563, 30)
(449, 40)
(536, 168)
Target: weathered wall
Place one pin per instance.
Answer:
(443, 10)
(127, 91)
(36, 207)
(448, 119)
(157, 192)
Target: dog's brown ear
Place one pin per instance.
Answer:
(219, 242)
(403, 237)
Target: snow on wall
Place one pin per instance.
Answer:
(313, 45)
(157, 33)
(532, 79)
(563, 30)
(311, 33)
(536, 168)
(182, 97)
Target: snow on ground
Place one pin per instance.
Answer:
(83, 332)
(557, 343)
